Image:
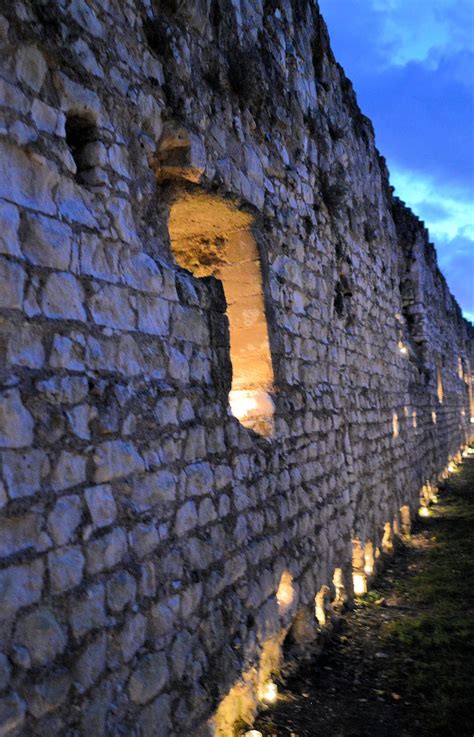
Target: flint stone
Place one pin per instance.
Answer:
(42, 636)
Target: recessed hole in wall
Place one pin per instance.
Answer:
(387, 540)
(439, 383)
(338, 581)
(285, 592)
(211, 237)
(414, 420)
(369, 561)
(405, 520)
(359, 578)
(81, 132)
(322, 605)
(395, 425)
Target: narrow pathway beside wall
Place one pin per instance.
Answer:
(403, 662)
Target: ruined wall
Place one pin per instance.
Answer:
(144, 530)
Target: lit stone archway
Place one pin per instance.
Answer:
(210, 236)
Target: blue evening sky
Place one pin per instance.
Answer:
(412, 66)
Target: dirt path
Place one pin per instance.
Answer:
(403, 662)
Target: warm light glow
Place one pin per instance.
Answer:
(253, 733)
(369, 558)
(424, 512)
(402, 348)
(285, 593)
(270, 692)
(360, 584)
(433, 418)
(248, 405)
(451, 468)
(395, 425)
(414, 420)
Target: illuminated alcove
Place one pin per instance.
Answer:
(210, 236)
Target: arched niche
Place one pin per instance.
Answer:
(211, 236)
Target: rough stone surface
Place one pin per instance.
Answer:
(182, 183)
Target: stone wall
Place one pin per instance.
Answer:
(144, 530)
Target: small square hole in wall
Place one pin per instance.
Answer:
(82, 139)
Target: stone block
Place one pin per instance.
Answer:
(64, 390)
(40, 633)
(186, 519)
(31, 66)
(12, 714)
(5, 671)
(27, 179)
(20, 533)
(16, 423)
(101, 503)
(12, 284)
(153, 489)
(107, 551)
(23, 472)
(49, 694)
(133, 636)
(63, 298)
(121, 590)
(149, 678)
(70, 470)
(65, 567)
(154, 720)
(65, 519)
(20, 586)
(153, 315)
(144, 538)
(110, 306)
(92, 663)
(10, 220)
(46, 241)
(78, 418)
(116, 458)
(25, 347)
(88, 613)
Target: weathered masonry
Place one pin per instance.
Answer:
(230, 368)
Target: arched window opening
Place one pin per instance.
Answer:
(82, 137)
(210, 236)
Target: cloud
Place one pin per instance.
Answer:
(458, 267)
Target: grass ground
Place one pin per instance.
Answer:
(403, 662)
